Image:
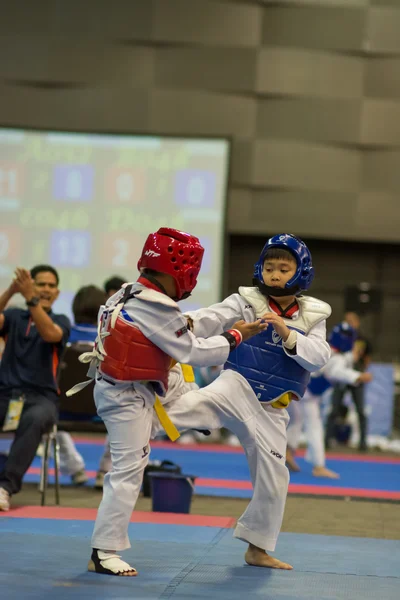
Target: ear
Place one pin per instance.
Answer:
(57, 294)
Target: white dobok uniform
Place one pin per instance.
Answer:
(126, 407)
(307, 413)
(230, 402)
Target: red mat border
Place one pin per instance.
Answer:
(298, 488)
(89, 514)
(329, 490)
(294, 488)
(390, 460)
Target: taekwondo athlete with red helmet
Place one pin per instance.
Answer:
(260, 378)
(339, 369)
(141, 328)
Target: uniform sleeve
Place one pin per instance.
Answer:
(166, 327)
(312, 351)
(338, 369)
(63, 322)
(217, 318)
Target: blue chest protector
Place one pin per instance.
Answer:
(269, 371)
(319, 385)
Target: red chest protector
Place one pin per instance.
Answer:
(130, 356)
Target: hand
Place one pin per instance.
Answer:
(365, 378)
(278, 324)
(24, 283)
(248, 330)
(13, 287)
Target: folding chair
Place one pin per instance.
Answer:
(50, 443)
(78, 411)
(71, 372)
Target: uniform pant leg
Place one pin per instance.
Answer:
(265, 448)
(231, 403)
(227, 402)
(127, 414)
(105, 460)
(295, 426)
(357, 393)
(71, 461)
(314, 431)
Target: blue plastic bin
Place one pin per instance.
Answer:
(171, 492)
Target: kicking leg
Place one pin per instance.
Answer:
(231, 403)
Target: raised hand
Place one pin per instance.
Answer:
(13, 287)
(278, 324)
(248, 330)
(24, 283)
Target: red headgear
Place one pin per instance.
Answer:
(176, 253)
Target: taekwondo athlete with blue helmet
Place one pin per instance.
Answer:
(307, 413)
(260, 379)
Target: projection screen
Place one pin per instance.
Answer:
(84, 203)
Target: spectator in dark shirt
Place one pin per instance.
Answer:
(35, 339)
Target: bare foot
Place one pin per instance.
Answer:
(324, 472)
(256, 557)
(290, 461)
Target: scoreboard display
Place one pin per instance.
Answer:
(85, 203)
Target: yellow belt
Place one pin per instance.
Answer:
(188, 373)
(165, 421)
(283, 401)
(169, 427)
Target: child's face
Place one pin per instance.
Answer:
(278, 271)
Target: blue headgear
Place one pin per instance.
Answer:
(342, 337)
(304, 275)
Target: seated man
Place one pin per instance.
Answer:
(35, 340)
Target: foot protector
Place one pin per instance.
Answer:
(109, 564)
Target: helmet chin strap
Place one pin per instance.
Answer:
(269, 290)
